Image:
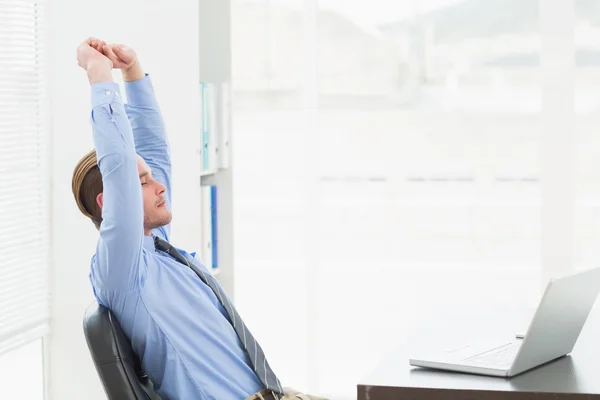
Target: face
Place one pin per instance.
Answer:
(156, 213)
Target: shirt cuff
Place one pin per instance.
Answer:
(140, 92)
(104, 93)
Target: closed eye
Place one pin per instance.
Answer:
(144, 176)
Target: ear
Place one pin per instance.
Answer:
(100, 200)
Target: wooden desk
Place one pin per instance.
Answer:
(576, 376)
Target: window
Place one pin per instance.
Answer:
(587, 105)
(24, 186)
(22, 372)
(430, 144)
(399, 167)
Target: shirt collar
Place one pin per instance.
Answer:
(149, 243)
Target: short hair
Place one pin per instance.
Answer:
(87, 185)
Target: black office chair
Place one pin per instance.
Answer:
(119, 369)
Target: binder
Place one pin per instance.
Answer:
(209, 217)
(224, 126)
(209, 150)
(214, 225)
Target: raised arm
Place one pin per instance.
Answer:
(146, 120)
(122, 229)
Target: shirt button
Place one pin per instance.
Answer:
(107, 93)
(112, 120)
(117, 94)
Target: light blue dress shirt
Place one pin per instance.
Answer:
(176, 325)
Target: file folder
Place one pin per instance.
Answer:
(209, 126)
(209, 227)
(223, 129)
(214, 225)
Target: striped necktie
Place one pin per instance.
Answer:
(255, 352)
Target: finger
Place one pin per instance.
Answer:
(120, 50)
(108, 52)
(124, 53)
(89, 40)
(95, 45)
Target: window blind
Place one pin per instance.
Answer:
(24, 176)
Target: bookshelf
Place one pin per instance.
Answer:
(214, 164)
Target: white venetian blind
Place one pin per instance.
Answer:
(24, 176)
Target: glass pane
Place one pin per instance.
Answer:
(429, 139)
(587, 103)
(22, 372)
(269, 122)
(427, 119)
(267, 53)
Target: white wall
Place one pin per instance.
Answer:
(165, 37)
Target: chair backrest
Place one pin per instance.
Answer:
(115, 361)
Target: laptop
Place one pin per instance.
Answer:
(551, 334)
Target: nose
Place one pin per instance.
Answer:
(160, 188)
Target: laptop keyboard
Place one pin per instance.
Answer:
(502, 356)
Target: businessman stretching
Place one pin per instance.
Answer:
(190, 339)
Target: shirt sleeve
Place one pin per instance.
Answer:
(119, 249)
(150, 136)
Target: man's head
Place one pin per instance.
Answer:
(88, 191)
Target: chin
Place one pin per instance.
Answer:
(158, 220)
(167, 219)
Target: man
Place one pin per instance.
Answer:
(183, 327)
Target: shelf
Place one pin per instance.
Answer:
(208, 173)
